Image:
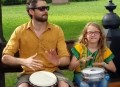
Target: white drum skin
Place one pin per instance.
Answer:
(43, 79)
(93, 73)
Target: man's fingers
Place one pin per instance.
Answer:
(34, 65)
(51, 52)
(32, 68)
(37, 61)
(34, 55)
(54, 52)
(37, 65)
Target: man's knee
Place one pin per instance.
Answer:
(24, 85)
(62, 84)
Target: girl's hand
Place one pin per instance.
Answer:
(85, 59)
(99, 64)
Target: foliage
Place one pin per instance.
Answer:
(81, 0)
(48, 1)
(12, 2)
(16, 2)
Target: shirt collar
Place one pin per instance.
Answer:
(29, 26)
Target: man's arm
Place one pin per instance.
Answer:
(10, 60)
(64, 61)
(29, 62)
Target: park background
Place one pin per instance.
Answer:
(71, 16)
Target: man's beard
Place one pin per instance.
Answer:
(42, 18)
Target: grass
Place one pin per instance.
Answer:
(71, 17)
(73, 14)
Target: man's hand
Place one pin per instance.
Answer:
(53, 57)
(32, 62)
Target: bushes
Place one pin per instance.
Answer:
(16, 2)
(13, 2)
(49, 1)
(81, 0)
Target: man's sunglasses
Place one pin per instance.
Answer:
(42, 8)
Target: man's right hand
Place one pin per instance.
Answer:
(32, 62)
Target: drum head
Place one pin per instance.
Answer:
(43, 78)
(93, 73)
(93, 70)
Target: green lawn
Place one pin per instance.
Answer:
(71, 17)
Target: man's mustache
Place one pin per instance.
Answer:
(45, 15)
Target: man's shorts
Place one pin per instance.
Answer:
(25, 79)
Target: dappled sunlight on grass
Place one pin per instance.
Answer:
(74, 18)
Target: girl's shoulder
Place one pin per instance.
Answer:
(107, 52)
(107, 49)
(79, 45)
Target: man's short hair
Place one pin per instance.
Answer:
(31, 4)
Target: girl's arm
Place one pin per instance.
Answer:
(110, 66)
(74, 63)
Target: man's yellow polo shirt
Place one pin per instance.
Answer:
(27, 43)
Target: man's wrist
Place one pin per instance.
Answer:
(59, 63)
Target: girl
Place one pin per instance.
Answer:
(89, 51)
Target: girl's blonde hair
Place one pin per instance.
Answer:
(101, 42)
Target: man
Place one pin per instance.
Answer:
(41, 45)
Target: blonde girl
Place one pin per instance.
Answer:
(89, 51)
